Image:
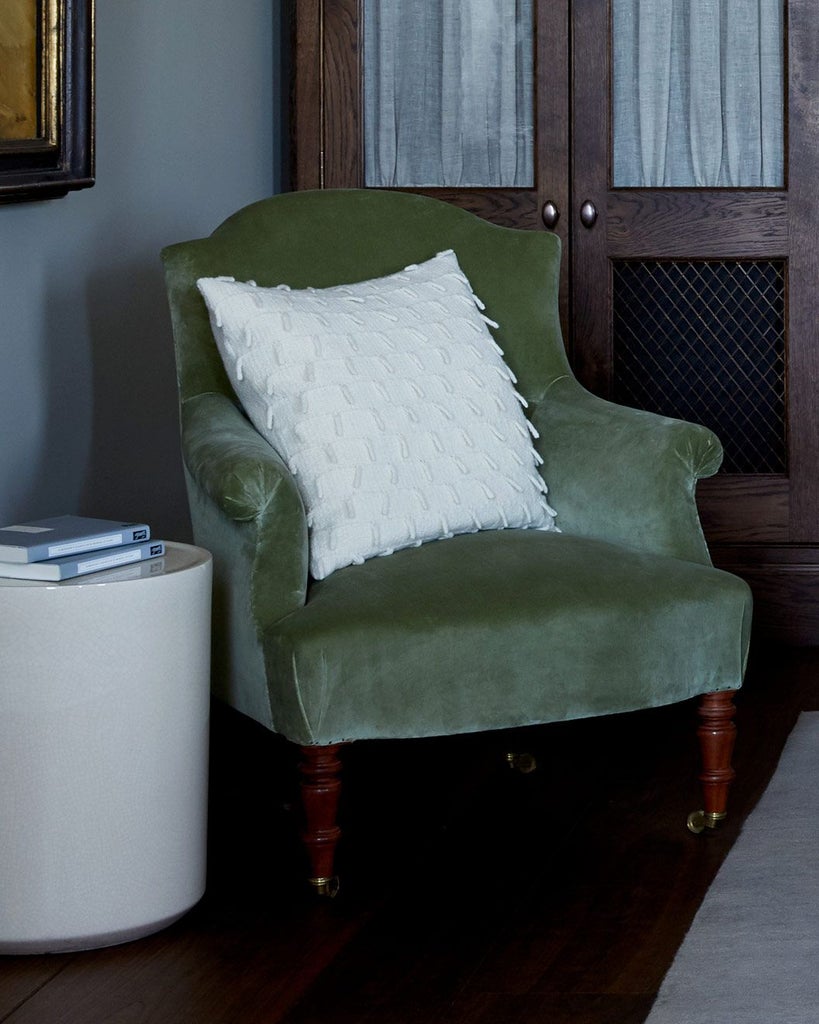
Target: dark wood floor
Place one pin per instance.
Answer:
(472, 894)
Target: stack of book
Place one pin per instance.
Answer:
(63, 547)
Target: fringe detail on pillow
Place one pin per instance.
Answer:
(422, 501)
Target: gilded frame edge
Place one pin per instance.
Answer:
(60, 158)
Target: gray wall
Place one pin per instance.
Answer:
(188, 130)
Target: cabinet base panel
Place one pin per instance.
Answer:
(785, 584)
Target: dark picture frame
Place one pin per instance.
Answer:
(46, 98)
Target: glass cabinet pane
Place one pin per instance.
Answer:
(448, 93)
(698, 93)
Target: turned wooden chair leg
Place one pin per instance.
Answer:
(716, 733)
(320, 770)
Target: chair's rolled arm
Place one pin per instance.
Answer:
(236, 470)
(624, 475)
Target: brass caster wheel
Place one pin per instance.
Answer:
(699, 821)
(523, 763)
(696, 822)
(325, 887)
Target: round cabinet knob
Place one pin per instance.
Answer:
(550, 215)
(588, 214)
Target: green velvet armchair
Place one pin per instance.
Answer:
(495, 629)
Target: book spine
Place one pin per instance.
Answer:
(76, 545)
(97, 543)
(109, 559)
(65, 568)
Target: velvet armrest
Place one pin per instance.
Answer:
(624, 475)
(248, 504)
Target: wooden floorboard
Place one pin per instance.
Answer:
(22, 977)
(472, 894)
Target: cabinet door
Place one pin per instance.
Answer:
(694, 263)
(465, 100)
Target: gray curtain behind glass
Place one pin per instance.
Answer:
(448, 93)
(698, 93)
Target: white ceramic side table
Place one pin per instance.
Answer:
(104, 701)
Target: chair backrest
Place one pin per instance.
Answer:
(324, 238)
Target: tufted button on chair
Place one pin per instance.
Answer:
(492, 628)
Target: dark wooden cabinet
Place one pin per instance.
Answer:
(692, 301)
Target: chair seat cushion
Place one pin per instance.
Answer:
(501, 629)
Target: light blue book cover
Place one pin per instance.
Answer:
(69, 566)
(66, 535)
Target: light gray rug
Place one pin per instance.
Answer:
(751, 955)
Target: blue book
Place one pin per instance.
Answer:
(69, 566)
(66, 535)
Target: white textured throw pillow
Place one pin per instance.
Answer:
(390, 403)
